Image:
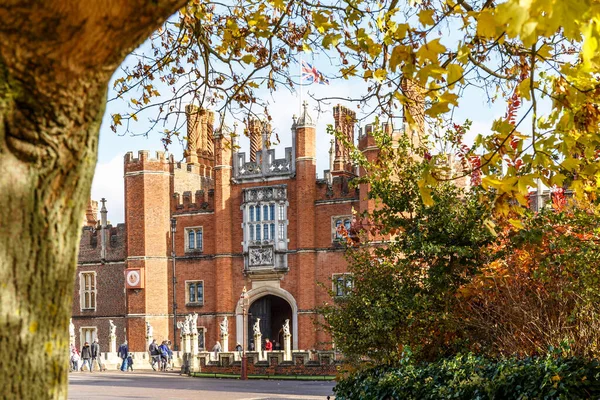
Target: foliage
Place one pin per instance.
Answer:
(471, 377)
(404, 289)
(542, 287)
(538, 57)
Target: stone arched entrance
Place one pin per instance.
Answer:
(279, 304)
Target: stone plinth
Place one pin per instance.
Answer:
(287, 348)
(225, 343)
(258, 346)
(113, 344)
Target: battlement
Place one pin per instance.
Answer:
(144, 162)
(90, 246)
(202, 200)
(266, 165)
(336, 188)
(365, 135)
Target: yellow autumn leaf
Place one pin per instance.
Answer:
(430, 51)
(455, 74)
(426, 17)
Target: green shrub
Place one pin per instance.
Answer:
(473, 377)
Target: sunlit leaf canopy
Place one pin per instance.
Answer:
(539, 58)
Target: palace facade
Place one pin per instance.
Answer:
(259, 220)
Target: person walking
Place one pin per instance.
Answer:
(95, 348)
(123, 353)
(154, 354)
(130, 362)
(164, 355)
(86, 355)
(74, 359)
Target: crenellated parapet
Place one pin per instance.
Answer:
(336, 188)
(90, 244)
(198, 201)
(144, 162)
(267, 165)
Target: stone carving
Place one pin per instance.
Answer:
(269, 192)
(71, 328)
(113, 328)
(260, 256)
(256, 328)
(286, 328)
(149, 330)
(194, 323)
(224, 326)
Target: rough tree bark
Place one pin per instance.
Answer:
(56, 58)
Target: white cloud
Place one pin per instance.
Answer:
(108, 183)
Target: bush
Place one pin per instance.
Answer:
(473, 377)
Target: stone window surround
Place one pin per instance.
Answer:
(82, 290)
(187, 293)
(187, 230)
(94, 330)
(334, 283)
(334, 219)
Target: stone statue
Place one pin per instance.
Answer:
(194, 323)
(149, 330)
(286, 328)
(186, 329)
(224, 327)
(256, 327)
(113, 328)
(71, 328)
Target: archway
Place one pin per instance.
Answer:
(271, 312)
(279, 305)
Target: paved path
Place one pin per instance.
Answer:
(156, 385)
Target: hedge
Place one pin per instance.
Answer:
(473, 377)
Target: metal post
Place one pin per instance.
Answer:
(244, 375)
(173, 230)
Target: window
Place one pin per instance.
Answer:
(87, 334)
(194, 293)
(340, 224)
(342, 284)
(201, 344)
(88, 290)
(194, 239)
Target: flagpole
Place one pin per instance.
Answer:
(300, 80)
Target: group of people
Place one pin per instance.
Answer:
(126, 356)
(88, 355)
(161, 355)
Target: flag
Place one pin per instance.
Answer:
(313, 75)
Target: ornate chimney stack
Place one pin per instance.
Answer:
(103, 214)
(344, 122)
(253, 127)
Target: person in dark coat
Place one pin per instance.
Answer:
(95, 348)
(123, 353)
(86, 356)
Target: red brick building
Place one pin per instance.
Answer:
(242, 220)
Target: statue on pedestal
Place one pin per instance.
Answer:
(256, 327)
(113, 328)
(286, 328)
(224, 327)
(149, 330)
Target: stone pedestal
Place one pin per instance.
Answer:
(72, 340)
(258, 345)
(287, 348)
(225, 343)
(113, 343)
(194, 352)
(188, 343)
(149, 340)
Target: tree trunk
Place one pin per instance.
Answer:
(55, 62)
